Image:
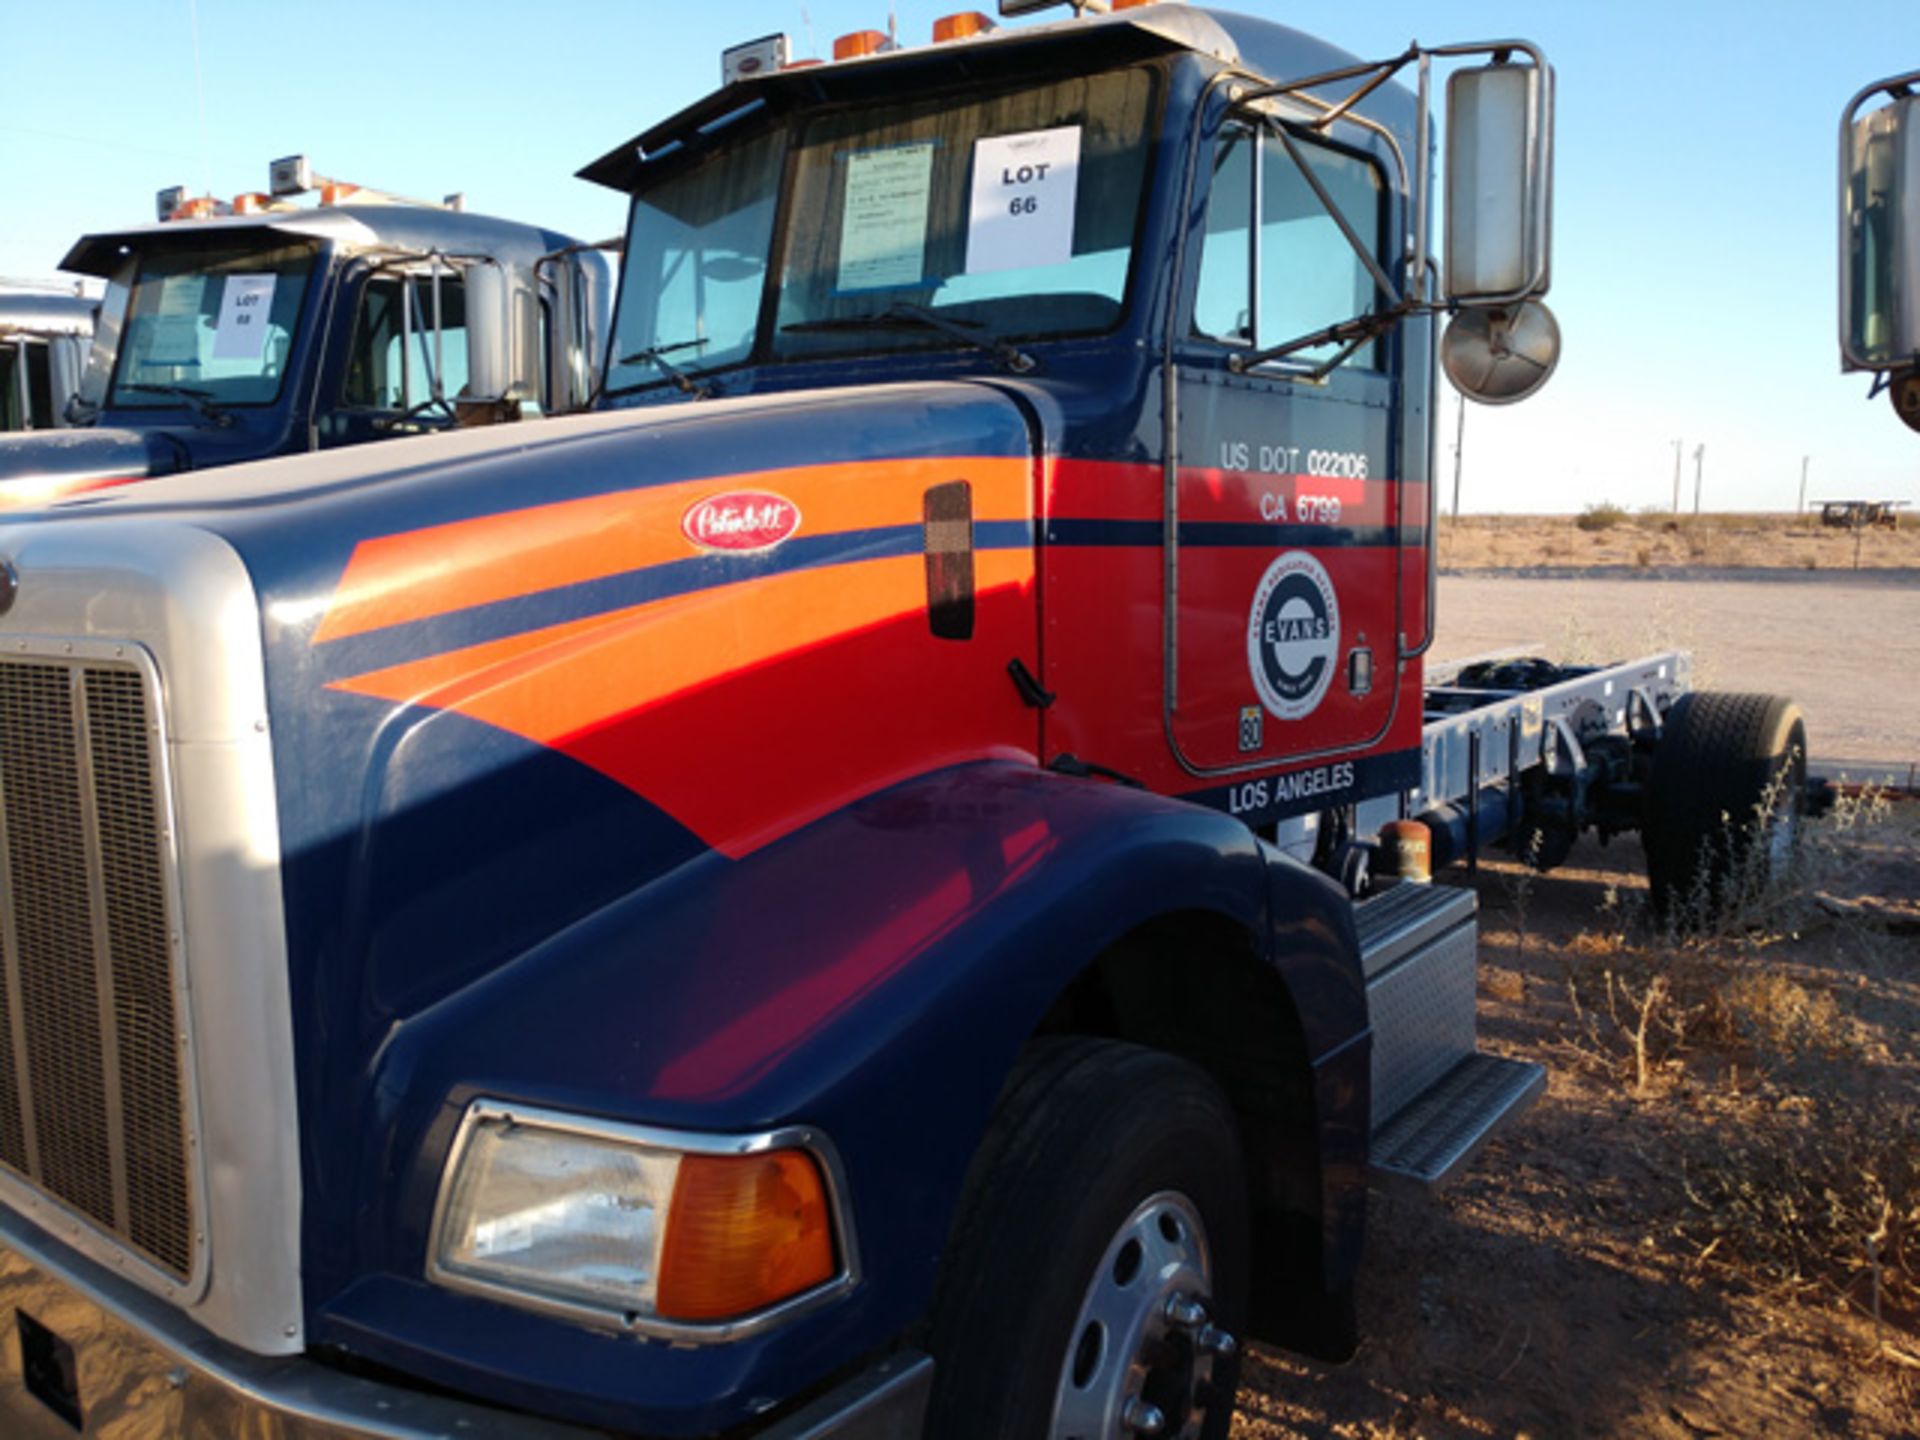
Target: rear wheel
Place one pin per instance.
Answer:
(1096, 1279)
(1723, 811)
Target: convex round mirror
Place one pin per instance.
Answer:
(1503, 353)
(1904, 391)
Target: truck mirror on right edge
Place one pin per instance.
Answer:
(1880, 240)
(1503, 343)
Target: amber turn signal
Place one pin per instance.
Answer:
(744, 1232)
(861, 42)
(960, 25)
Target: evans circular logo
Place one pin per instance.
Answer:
(1293, 635)
(741, 521)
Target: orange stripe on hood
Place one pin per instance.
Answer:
(606, 688)
(444, 568)
(550, 684)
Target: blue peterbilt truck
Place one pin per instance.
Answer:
(871, 888)
(238, 330)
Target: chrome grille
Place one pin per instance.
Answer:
(92, 1105)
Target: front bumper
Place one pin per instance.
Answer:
(123, 1365)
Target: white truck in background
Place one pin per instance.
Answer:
(45, 333)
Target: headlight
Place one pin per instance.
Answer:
(687, 1235)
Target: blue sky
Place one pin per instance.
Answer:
(1694, 241)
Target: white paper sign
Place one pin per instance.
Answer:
(1024, 189)
(241, 332)
(883, 224)
(174, 338)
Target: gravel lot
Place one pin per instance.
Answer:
(1845, 645)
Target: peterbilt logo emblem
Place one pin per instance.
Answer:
(9, 585)
(1293, 634)
(741, 521)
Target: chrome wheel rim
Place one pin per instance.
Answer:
(1142, 1354)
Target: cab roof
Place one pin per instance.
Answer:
(1260, 47)
(33, 313)
(352, 227)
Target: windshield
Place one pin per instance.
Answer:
(1009, 216)
(219, 323)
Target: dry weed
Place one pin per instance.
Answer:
(1815, 1193)
(1807, 1178)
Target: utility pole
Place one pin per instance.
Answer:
(1803, 483)
(1699, 464)
(1459, 446)
(1678, 446)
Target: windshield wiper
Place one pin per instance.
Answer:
(656, 355)
(199, 401)
(904, 315)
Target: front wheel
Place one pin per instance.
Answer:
(1096, 1280)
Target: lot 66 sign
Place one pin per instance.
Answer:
(1024, 189)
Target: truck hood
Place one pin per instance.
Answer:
(43, 466)
(515, 672)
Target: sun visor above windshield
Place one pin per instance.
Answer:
(98, 254)
(1017, 53)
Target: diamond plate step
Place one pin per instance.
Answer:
(1417, 945)
(1435, 1135)
(1403, 918)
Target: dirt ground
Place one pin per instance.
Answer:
(1845, 644)
(1689, 1235)
(1660, 542)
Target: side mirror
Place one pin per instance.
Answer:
(1880, 230)
(489, 332)
(577, 287)
(1499, 183)
(66, 361)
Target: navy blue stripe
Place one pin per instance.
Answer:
(500, 619)
(1105, 532)
(1210, 534)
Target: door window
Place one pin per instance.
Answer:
(397, 360)
(1308, 276)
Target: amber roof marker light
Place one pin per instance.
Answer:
(961, 25)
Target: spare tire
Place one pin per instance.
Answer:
(1723, 809)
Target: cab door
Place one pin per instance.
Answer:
(404, 353)
(1286, 633)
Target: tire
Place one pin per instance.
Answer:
(1723, 811)
(1063, 1263)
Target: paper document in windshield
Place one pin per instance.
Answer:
(1024, 190)
(883, 223)
(173, 333)
(241, 331)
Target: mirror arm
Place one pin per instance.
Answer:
(1378, 72)
(439, 341)
(1339, 357)
(1420, 264)
(1327, 202)
(1356, 331)
(1335, 112)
